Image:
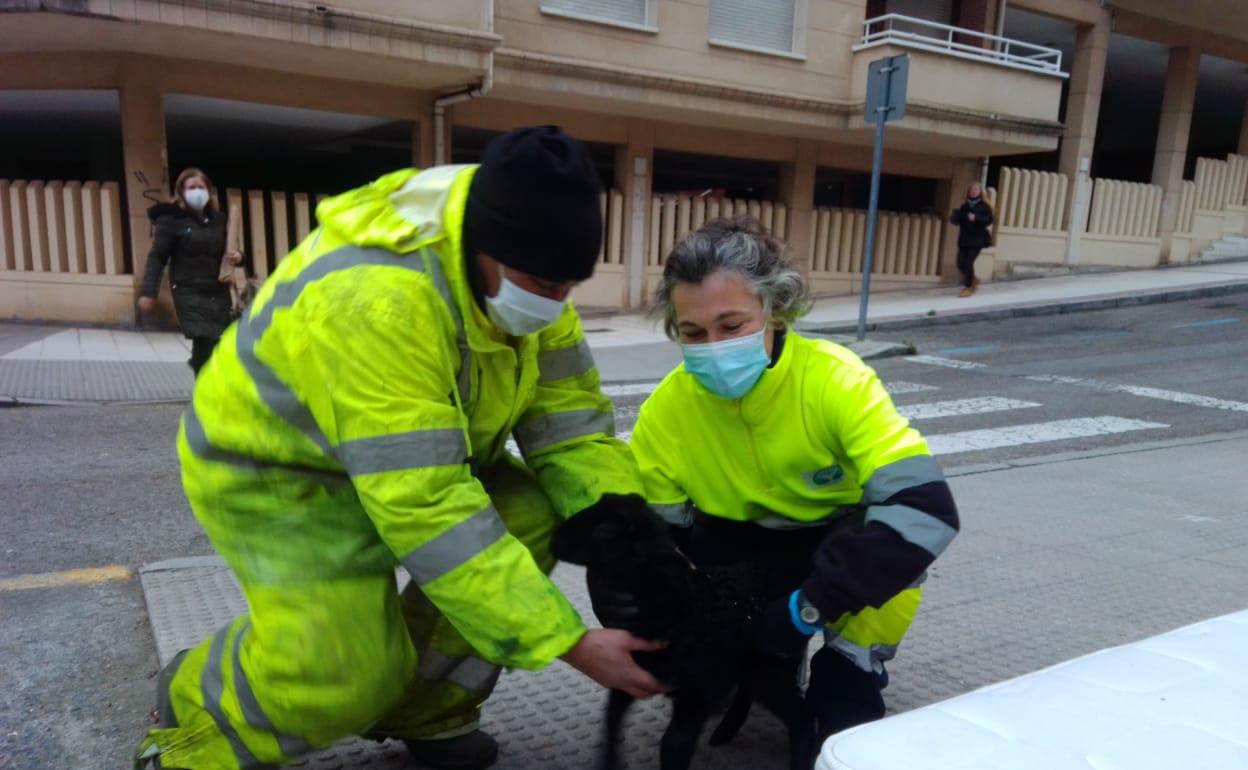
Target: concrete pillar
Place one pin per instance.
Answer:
(422, 134)
(1172, 136)
(1083, 106)
(634, 174)
(1243, 132)
(145, 158)
(797, 192)
(952, 193)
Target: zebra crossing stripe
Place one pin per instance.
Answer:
(630, 388)
(1173, 396)
(1034, 433)
(900, 387)
(961, 407)
(948, 363)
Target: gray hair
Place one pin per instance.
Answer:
(744, 248)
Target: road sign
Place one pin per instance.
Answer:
(886, 88)
(886, 100)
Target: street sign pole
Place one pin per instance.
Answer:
(886, 100)
(872, 209)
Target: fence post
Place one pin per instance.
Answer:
(93, 229)
(8, 260)
(75, 247)
(110, 228)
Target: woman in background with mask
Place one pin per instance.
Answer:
(769, 446)
(190, 238)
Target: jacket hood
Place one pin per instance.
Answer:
(164, 210)
(401, 211)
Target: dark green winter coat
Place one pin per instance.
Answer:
(192, 246)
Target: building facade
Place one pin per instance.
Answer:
(693, 108)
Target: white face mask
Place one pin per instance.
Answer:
(196, 198)
(519, 312)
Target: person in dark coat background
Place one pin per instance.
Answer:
(972, 218)
(190, 238)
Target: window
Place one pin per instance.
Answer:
(631, 13)
(758, 24)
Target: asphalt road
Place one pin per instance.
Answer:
(90, 487)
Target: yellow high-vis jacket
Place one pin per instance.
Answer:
(363, 389)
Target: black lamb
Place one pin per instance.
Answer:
(709, 619)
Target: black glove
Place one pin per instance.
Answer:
(777, 635)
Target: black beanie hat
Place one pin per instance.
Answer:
(533, 205)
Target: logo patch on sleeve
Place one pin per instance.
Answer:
(824, 478)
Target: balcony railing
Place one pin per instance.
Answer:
(909, 32)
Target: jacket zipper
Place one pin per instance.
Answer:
(749, 434)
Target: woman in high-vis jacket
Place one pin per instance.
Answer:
(355, 419)
(769, 445)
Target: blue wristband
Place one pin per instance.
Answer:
(802, 626)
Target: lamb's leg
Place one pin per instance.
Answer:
(735, 716)
(776, 689)
(618, 704)
(689, 714)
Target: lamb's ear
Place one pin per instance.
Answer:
(573, 541)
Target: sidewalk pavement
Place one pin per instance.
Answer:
(49, 364)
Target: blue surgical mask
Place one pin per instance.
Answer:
(729, 368)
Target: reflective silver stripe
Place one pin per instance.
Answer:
(867, 659)
(676, 514)
(471, 673)
(464, 380)
(455, 546)
(197, 440)
(290, 745)
(903, 474)
(537, 433)
(401, 451)
(276, 394)
(923, 529)
(782, 522)
(212, 686)
(565, 362)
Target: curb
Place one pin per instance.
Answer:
(1033, 311)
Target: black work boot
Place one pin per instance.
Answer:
(471, 751)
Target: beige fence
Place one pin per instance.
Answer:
(905, 244)
(612, 203)
(61, 227)
(1221, 183)
(273, 223)
(1130, 209)
(672, 217)
(1031, 200)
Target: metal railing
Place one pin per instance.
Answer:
(909, 32)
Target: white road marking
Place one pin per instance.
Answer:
(1174, 396)
(962, 406)
(948, 363)
(630, 389)
(1194, 519)
(1034, 433)
(901, 387)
